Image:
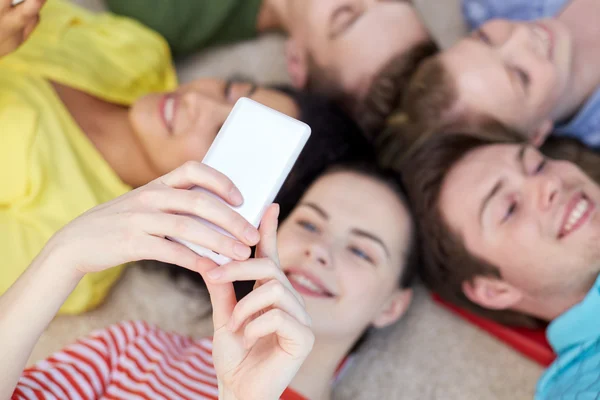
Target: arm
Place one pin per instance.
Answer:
(130, 228)
(28, 307)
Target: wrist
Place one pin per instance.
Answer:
(225, 394)
(57, 258)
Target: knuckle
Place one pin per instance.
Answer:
(183, 225)
(276, 316)
(147, 197)
(276, 289)
(190, 168)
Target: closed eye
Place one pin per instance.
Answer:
(523, 78)
(541, 166)
(361, 254)
(512, 209)
(308, 226)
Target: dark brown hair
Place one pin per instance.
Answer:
(388, 89)
(447, 264)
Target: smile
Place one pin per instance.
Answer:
(308, 285)
(578, 212)
(547, 39)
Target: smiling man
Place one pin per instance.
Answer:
(515, 237)
(334, 46)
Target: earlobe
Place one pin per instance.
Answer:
(542, 132)
(492, 293)
(394, 309)
(296, 60)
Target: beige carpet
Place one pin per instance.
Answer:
(430, 354)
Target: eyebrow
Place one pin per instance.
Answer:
(355, 231)
(520, 159)
(317, 209)
(368, 235)
(350, 22)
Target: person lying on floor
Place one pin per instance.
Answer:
(335, 47)
(90, 108)
(340, 264)
(537, 77)
(512, 235)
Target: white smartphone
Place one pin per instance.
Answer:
(16, 2)
(256, 148)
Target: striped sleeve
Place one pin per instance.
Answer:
(131, 360)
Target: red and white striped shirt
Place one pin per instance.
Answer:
(130, 360)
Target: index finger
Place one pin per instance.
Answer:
(197, 174)
(223, 300)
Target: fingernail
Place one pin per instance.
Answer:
(235, 196)
(215, 273)
(241, 250)
(251, 234)
(278, 208)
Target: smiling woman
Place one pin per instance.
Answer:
(90, 109)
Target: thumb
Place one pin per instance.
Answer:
(267, 246)
(222, 295)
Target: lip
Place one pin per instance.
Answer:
(550, 39)
(585, 217)
(316, 281)
(162, 110)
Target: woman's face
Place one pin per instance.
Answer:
(343, 248)
(180, 126)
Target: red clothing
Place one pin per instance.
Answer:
(131, 360)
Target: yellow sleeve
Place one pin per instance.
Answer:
(22, 238)
(114, 58)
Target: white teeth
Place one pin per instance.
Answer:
(578, 211)
(169, 109)
(307, 283)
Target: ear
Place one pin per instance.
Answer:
(394, 309)
(492, 293)
(297, 63)
(542, 132)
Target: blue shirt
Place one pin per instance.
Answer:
(585, 125)
(575, 337)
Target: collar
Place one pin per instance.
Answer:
(585, 125)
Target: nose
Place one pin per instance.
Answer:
(204, 110)
(518, 40)
(549, 188)
(319, 254)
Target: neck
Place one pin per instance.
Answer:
(550, 307)
(107, 126)
(314, 378)
(119, 146)
(581, 19)
(273, 15)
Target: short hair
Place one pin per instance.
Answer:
(389, 87)
(446, 262)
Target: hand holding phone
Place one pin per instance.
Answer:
(256, 148)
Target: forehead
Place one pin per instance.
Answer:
(355, 201)
(478, 71)
(469, 180)
(358, 56)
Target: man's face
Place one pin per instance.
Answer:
(515, 72)
(537, 220)
(343, 44)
